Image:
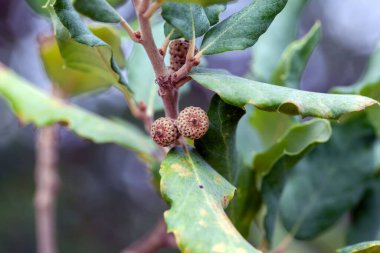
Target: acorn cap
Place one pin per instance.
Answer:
(164, 131)
(192, 122)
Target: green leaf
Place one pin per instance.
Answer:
(73, 81)
(297, 139)
(276, 161)
(294, 59)
(184, 16)
(197, 195)
(201, 2)
(98, 10)
(336, 172)
(213, 12)
(267, 51)
(170, 29)
(364, 247)
(239, 92)
(365, 219)
(218, 146)
(33, 106)
(242, 29)
(81, 49)
(37, 6)
(116, 3)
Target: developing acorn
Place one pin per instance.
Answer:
(192, 122)
(178, 51)
(164, 131)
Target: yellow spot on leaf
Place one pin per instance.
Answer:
(218, 179)
(240, 250)
(219, 248)
(181, 170)
(202, 223)
(203, 212)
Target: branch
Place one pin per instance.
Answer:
(153, 8)
(47, 184)
(155, 240)
(284, 244)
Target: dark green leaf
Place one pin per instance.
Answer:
(81, 49)
(116, 3)
(73, 81)
(197, 195)
(364, 247)
(365, 218)
(218, 146)
(294, 59)
(277, 160)
(174, 32)
(242, 29)
(213, 12)
(184, 16)
(33, 106)
(98, 10)
(267, 51)
(330, 180)
(239, 92)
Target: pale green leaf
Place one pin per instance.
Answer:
(197, 195)
(267, 51)
(294, 142)
(293, 61)
(98, 10)
(364, 247)
(239, 92)
(242, 29)
(33, 106)
(184, 16)
(73, 81)
(81, 49)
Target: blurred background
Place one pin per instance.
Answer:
(106, 200)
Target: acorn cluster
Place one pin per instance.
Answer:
(192, 123)
(178, 51)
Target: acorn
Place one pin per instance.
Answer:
(164, 131)
(178, 51)
(192, 122)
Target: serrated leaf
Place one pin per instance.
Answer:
(218, 146)
(276, 161)
(73, 81)
(213, 12)
(293, 61)
(81, 49)
(364, 247)
(184, 16)
(98, 10)
(242, 29)
(33, 106)
(201, 2)
(198, 195)
(365, 219)
(238, 91)
(267, 51)
(336, 172)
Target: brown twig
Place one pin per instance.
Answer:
(284, 244)
(157, 239)
(47, 184)
(153, 8)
